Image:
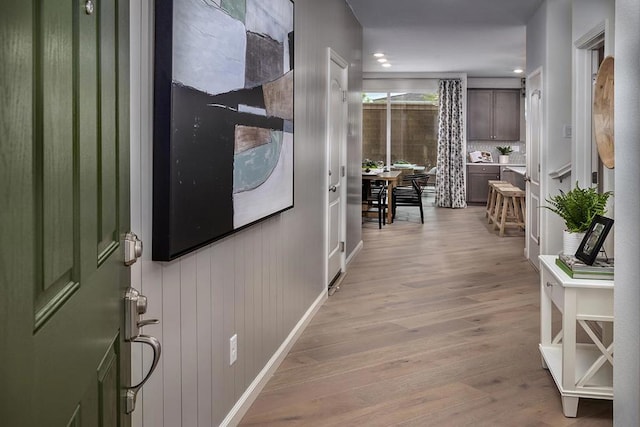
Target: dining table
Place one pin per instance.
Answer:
(391, 178)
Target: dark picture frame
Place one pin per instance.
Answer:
(593, 239)
(223, 119)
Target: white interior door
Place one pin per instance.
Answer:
(534, 141)
(337, 134)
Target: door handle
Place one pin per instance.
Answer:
(135, 307)
(527, 179)
(131, 393)
(333, 188)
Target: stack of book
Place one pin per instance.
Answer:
(602, 268)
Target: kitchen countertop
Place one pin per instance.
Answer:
(496, 164)
(520, 170)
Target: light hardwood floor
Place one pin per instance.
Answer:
(434, 325)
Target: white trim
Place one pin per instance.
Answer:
(251, 393)
(538, 72)
(387, 161)
(354, 253)
(333, 56)
(413, 76)
(398, 82)
(593, 37)
(582, 149)
(562, 172)
(400, 85)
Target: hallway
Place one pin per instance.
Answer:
(434, 325)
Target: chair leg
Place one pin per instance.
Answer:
(421, 214)
(384, 213)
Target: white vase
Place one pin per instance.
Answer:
(570, 242)
(503, 158)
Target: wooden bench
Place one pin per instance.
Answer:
(509, 210)
(491, 198)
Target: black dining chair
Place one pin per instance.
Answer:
(409, 193)
(374, 199)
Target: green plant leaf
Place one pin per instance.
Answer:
(578, 207)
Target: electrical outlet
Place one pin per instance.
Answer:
(233, 349)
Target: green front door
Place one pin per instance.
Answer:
(64, 206)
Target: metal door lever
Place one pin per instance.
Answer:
(135, 306)
(131, 393)
(146, 322)
(333, 188)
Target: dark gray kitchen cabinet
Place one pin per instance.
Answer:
(478, 177)
(493, 115)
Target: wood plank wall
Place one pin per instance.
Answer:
(257, 283)
(243, 285)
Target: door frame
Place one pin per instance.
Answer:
(333, 56)
(582, 102)
(538, 72)
(585, 157)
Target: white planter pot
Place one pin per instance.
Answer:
(503, 158)
(570, 242)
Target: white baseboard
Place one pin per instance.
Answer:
(243, 404)
(354, 252)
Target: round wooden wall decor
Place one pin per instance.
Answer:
(603, 112)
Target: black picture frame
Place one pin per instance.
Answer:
(593, 239)
(223, 131)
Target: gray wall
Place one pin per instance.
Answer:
(589, 13)
(626, 373)
(549, 48)
(320, 25)
(540, 43)
(260, 282)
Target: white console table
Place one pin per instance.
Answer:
(578, 369)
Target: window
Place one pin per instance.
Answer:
(413, 119)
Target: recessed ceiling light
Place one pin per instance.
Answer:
(378, 54)
(518, 70)
(382, 60)
(386, 64)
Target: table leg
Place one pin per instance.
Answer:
(570, 406)
(390, 187)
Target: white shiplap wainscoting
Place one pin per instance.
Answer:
(264, 283)
(237, 286)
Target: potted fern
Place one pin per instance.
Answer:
(504, 153)
(577, 208)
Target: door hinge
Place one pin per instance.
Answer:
(344, 96)
(341, 246)
(594, 177)
(343, 171)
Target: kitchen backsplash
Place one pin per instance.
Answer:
(515, 157)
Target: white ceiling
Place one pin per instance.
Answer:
(483, 38)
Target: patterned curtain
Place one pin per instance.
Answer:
(450, 189)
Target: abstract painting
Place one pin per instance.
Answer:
(223, 119)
